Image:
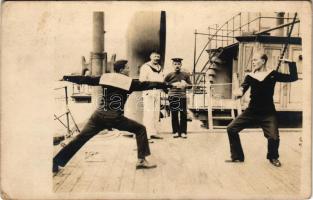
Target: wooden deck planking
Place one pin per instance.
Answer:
(110, 153)
(127, 184)
(272, 178)
(118, 165)
(185, 166)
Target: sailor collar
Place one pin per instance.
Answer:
(153, 67)
(116, 80)
(260, 76)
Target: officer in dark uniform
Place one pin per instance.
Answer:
(110, 113)
(177, 98)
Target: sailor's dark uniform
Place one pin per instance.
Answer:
(109, 114)
(178, 102)
(261, 111)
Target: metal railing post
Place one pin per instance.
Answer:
(240, 24)
(209, 103)
(222, 38)
(227, 33)
(248, 22)
(216, 37)
(260, 22)
(210, 45)
(233, 29)
(194, 67)
(67, 113)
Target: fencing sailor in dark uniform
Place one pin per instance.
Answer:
(177, 98)
(261, 110)
(110, 114)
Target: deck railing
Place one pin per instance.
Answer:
(220, 36)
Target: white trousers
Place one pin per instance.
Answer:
(151, 111)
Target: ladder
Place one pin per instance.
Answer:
(213, 53)
(220, 108)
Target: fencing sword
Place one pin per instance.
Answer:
(287, 42)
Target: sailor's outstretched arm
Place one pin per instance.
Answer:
(136, 85)
(88, 80)
(292, 76)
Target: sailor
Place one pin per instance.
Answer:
(177, 98)
(151, 71)
(110, 113)
(261, 110)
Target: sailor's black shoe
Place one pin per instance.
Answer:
(55, 168)
(275, 162)
(156, 137)
(175, 135)
(144, 164)
(235, 161)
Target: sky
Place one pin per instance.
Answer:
(63, 31)
(74, 32)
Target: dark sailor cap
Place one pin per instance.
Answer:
(177, 59)
(119, 64)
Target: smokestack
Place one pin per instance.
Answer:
(152, 28)
(97, 55)
(280, 21)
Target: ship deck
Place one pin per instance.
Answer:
(187, 168)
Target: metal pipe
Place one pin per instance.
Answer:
(59, 88)
(207, 34)
(194, 57)
(218, 29)
(276, 17)
(227, 33)
(209, 38)
(222, 38)
(105, 63)
(287, 29)
(249, 22)
(239, 24)
(233, 29)
(215, 37)
(57, 118)
(259, 22)
(278, 27)
(204, 90)
(67, 117)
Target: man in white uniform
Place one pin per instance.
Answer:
(151, 71)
